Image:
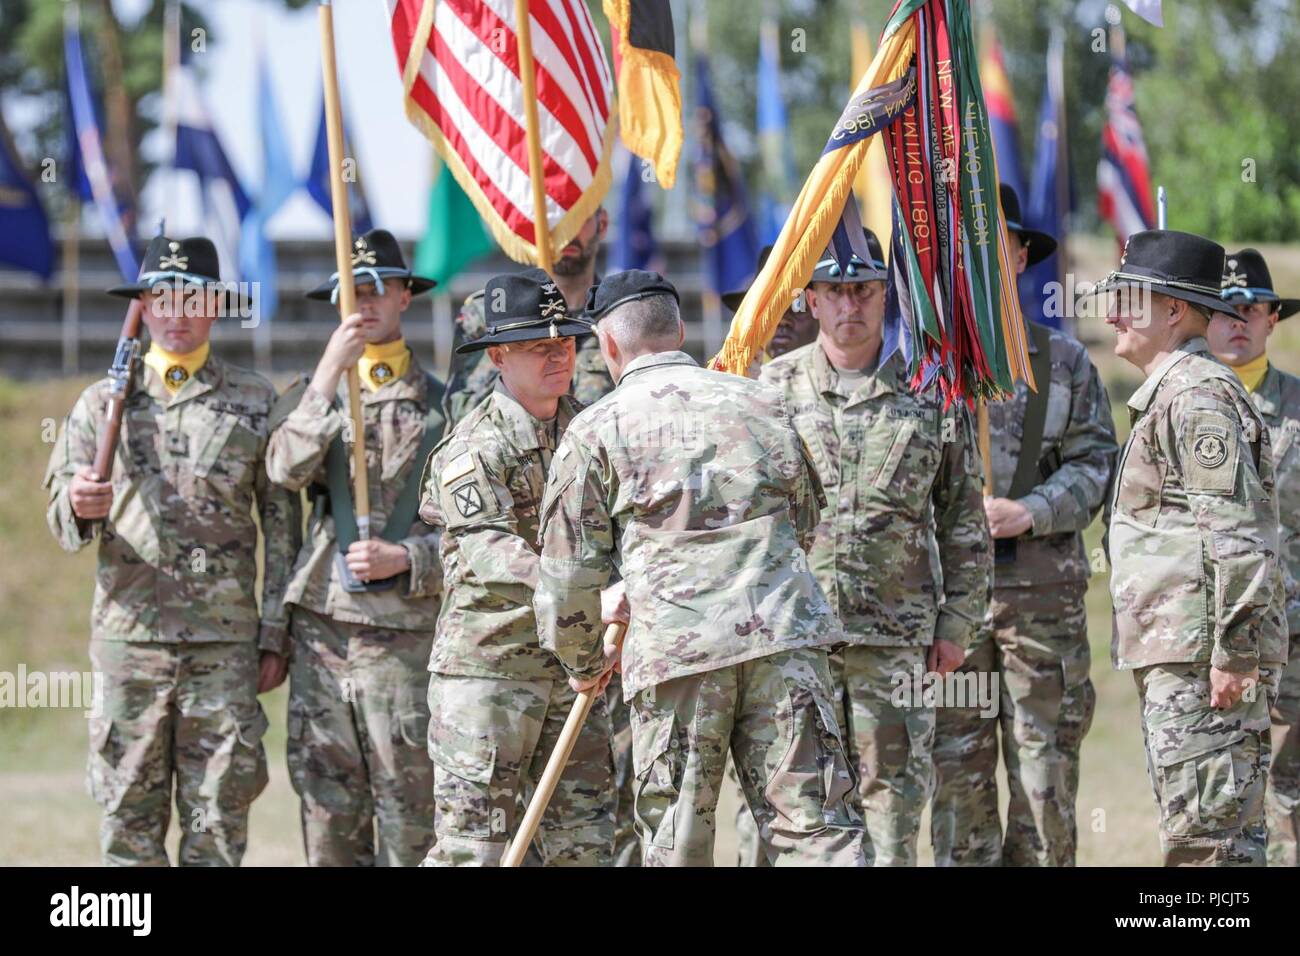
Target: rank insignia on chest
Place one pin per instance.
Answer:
(1210, 450)
(176, 375)
(468, 500)
(381, 372)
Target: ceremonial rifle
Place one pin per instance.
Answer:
(125, 360)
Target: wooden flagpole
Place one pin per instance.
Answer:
(541, 228)
(559, 759)
(343, 261)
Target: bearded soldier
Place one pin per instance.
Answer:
(497, 699)
(1193, 543)
(175, 628)
(1053, 451)
(1241, 341)
(362, 610)
(903, 479)
(693, 487)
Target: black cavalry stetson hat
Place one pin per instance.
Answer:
(167, 261)
(1246, 279)
(522, 307)
(828, 270)
(1177, 264)
(376, 256)
(732, 300)
(627, 286)
(1039, 244)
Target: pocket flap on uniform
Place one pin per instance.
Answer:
(213, 444)
(661, 738)
(889, 465)
(252, 727)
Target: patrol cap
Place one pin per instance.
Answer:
(1246, 279)
(620, 287)
(1177, 264)
(523, 307)
(828, 270)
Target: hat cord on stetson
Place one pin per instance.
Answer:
(154, 277)
(375, 273)
(1156, 280)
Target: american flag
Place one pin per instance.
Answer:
(1123, 174)
(459, 62)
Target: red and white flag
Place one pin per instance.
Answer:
(1123, 173)
(459, 61)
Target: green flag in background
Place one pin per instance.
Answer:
(454, 236)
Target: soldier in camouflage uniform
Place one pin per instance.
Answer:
(362, 627)
(1241, 343)
(175, 629)
(497, 700)
(694, 488)
(1193, 543)
(796, 329)
(1037, 641)
(473, 378)
(904, 480)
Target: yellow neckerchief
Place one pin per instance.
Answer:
(1252, 373)
(381, 364)
(175, 370)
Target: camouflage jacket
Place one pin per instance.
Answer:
(1277, 399)
(905, 484)
(1194, 524)
(483, 486)
(694, 487)
(1075, 463)
(303, 424)
(178, 550)
(473, 377)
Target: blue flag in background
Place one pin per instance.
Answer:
(634, 245)
(728, 241)
(773, 137)
(318, 177)
(225, 204)
(24, 230)
(256, 252)
(1050, 194)
(90, 151)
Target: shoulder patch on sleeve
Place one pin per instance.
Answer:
(458, 467)
(1211, 441)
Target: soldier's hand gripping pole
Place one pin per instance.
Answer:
(558, 761)
(343, 261)
(120, 372)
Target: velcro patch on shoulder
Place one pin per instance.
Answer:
(1211, 441)
(458, 467)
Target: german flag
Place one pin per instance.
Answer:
(649, 86)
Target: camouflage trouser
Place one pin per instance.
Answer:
(1284, 778)
(490, 739)
(357, 724)
(176, 713)
(749, 848)
(775, 716)
(888, 744)
(1208, 767)
(1038, 651)
(627, 847)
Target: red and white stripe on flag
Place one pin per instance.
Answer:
(1123, 173)
(459, 61)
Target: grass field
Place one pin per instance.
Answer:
(44, 612)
